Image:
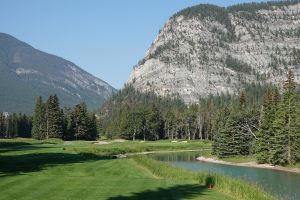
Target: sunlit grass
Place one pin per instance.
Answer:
(52, 169)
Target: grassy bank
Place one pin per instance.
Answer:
(236, 188)
(52, 169)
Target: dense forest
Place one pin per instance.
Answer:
(259, 121)
(51, 121)
(135, 115)
(15, 125)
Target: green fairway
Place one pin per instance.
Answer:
(53, 170)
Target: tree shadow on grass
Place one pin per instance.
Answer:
(16, 164)
(6, 149)
(178, 192)
(14, 143)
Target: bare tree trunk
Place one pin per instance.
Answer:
(199, 122)
(47, 133)
(133, 136)
(289, 135)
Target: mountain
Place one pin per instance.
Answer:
(206, 49)
(26, 73)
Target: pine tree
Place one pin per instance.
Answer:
(266, 132)
(227, 139)
(70, 128)
(81, 121)
(286, 126)
(92, 133)
(54, 122)
(38, 121)
(218, 125)
(24, 126)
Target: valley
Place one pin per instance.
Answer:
(212, 111)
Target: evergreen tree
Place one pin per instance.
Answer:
(134, 123)
(235, 134)
(81, 121)
(54, 121)
(266, 131)
(38, 120)
(24, 126)
(92, 133)
(70, 124)
(154, 124)
(287, 139)
(219, 137)
(227, 140)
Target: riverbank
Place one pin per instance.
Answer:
(248, 164)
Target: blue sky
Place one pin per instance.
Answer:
(104, 37)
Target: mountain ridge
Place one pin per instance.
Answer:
(27, 72)
(206, 49)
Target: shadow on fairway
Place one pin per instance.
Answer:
(8, 144)
(15, 164)
(173, 193)
(21, 147)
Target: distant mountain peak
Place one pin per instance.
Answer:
(26, 72)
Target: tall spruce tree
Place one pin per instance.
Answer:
(54, 122)
(266, 132)
(227, 139)
(81, 121)
(38, 120)
(287, 137)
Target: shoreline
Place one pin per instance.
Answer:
(164, 151)
(248, 164)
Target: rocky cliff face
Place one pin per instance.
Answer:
(26, 73)
(206, 50)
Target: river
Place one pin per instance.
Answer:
(285, 185)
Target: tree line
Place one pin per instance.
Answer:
(15, 125)
(272, 133)
(135, 115)
(50, 121)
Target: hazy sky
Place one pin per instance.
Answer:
(104, 37)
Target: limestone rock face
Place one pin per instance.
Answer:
(206, 50)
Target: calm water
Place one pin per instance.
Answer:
(285, 185)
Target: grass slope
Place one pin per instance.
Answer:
(31, 169)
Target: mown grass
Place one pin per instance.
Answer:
(52, 169)
(137, 146)
(46, 170)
